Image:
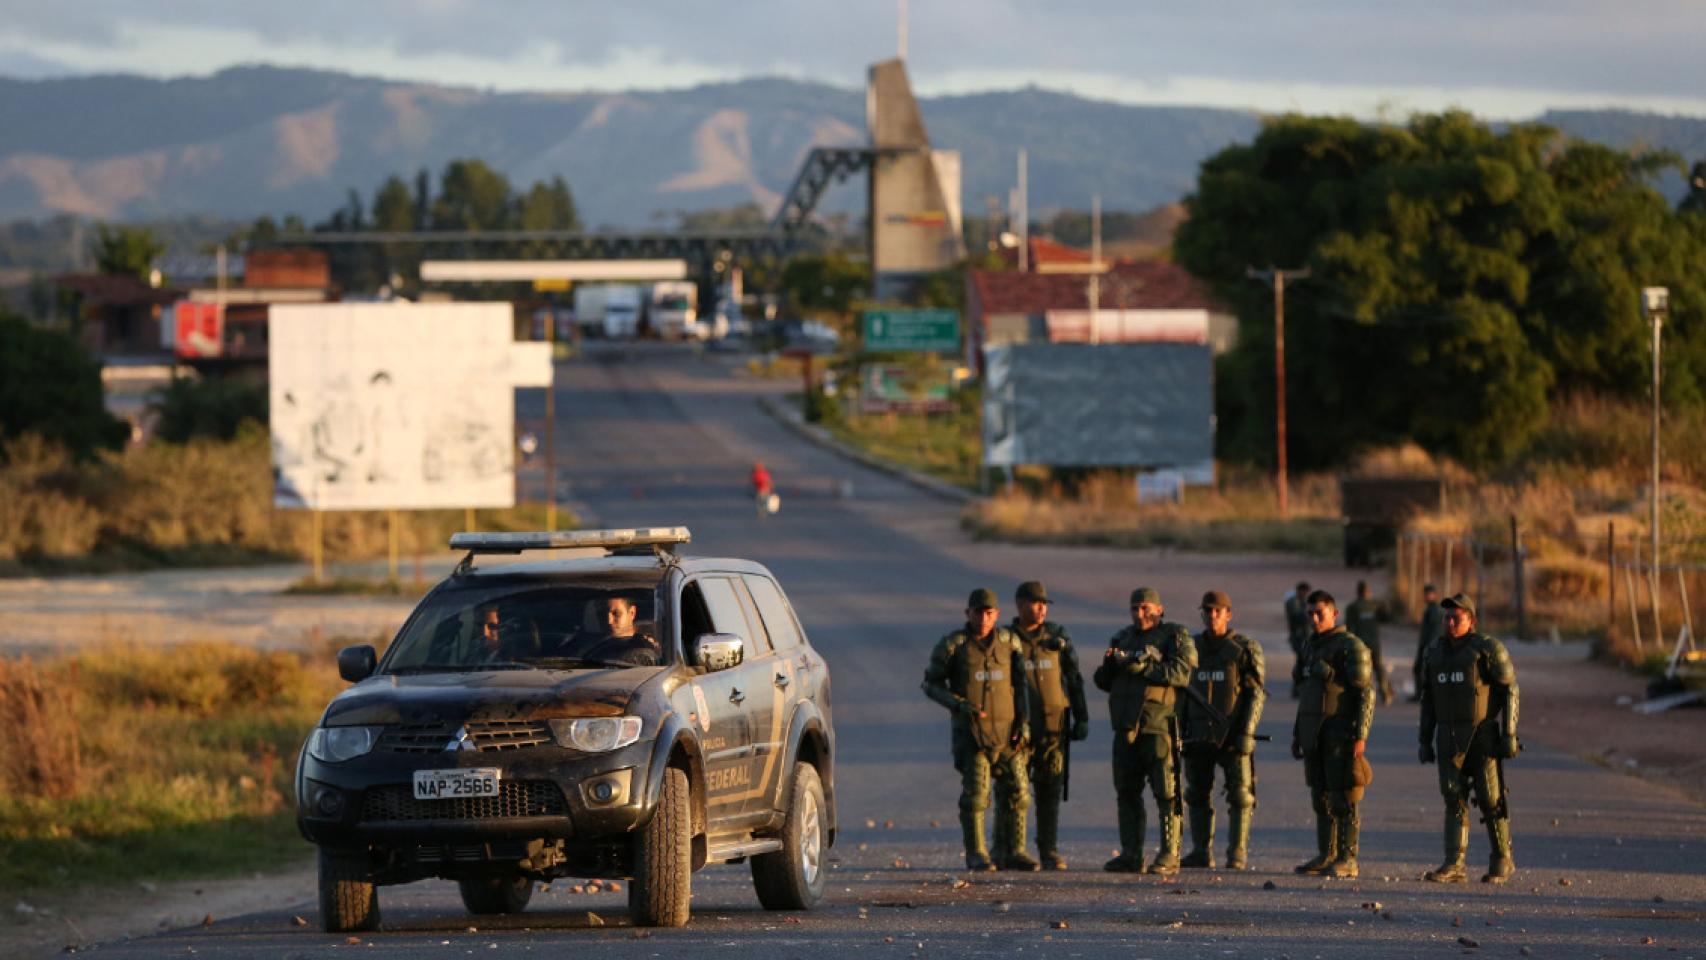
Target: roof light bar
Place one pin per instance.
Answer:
(568, 539)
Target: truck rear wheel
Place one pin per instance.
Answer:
(348, 900)
(663, 858)
(793, 877)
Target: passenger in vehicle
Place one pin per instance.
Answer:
(623, 642)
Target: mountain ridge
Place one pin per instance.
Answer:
(259, 139)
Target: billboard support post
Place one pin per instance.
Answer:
(391, 541)
(468, 519)
(318, 550)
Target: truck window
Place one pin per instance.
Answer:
(778, 617)
(728, 615)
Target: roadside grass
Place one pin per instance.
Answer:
(204, 503)
(946, 446)
(355, 587)
(1100, 508)
(134, 763)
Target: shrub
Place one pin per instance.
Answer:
(43, 757)
(213, 408)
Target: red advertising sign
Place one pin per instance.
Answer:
(199, 329)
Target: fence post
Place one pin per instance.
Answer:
(1610, 576)
(1634, 612)
(1517, 575)
(1687, 614)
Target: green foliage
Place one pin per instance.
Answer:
(548, 206)
(828, 282)
(1459, 276)
(125, 250)
(213, 408)
(393, 206)
(471, 196)
(51, 387)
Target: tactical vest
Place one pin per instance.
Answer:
(1133, 702)
(1460, 694)
(982, 674)
(1218, 676)
(1320, 686)
(1049, 702)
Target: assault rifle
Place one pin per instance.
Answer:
(1219, 719)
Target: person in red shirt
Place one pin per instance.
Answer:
(763, 490)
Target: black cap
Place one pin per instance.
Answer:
(982, 598)
(1459, 601)
(1216, 599)
(1031, 591)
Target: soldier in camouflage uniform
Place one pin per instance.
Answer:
(1297, 626)
(1229, 678)
(1433, 627)
(1144, 665)
(977, 672)
(1469, 711)
(1363, 618)
(1334, 712)
(1056, 691)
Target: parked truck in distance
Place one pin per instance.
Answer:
(672, 310)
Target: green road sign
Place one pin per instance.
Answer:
(918, 331)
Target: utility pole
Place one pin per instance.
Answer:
(1277, 278)
(1024, 213)
(1095, 296)
(1655, 303)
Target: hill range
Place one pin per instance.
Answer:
(260, 140)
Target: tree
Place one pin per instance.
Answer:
(548, 206)
(1459, 275)
(393, 207)
(126, 251)
(827, 282)
(472, 196)
(51, 387)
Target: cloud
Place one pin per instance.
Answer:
(1639, 51)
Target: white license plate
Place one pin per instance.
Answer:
(450, 784)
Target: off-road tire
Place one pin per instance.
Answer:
(793, 877)
(661, 887)
(348, 900)
(496, 894)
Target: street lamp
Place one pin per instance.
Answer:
(1655, 304)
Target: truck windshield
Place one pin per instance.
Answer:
(532, 624)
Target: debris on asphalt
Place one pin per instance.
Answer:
(1563, 881)
(299, 921)
(1372, 906)
(1647, 941)
(900, 864)
(1270, 885)
(352, 941)
(594, 920)
(1469, 941)
(888, 824)
(1057, 924)
(207, 921)
(935, 823)
(1457, 921)
(870, 824)
(961, 884)
(1002, 906)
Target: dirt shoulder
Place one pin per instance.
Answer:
(1583, 707)
(46, 924)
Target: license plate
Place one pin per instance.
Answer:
(450, 784)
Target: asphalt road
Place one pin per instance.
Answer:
(655, 436)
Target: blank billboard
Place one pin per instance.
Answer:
(380, 406)
(1101, 405)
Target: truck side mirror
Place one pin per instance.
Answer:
(356, 664)
(720, 651)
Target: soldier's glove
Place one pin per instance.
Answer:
(1296, 749)
(1426, 753)
(967, 709)
(1081, 730)
(1021, 735)
(1509, 747)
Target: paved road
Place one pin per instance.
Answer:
(658, 437)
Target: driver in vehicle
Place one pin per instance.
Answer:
(622, 642)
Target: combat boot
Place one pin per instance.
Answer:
(1166, 862)
(1456, 841)
(1238, 839)
(1501, 866)
(1048, 832)
(1130, 859)
(971, 829)
(1324, 843)
(1010, 840)
(1202, 838)
(1344, 865)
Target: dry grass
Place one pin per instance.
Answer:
(202, 503)
(131, 762)
(1239, 514)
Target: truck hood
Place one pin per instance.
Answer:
(487, 695)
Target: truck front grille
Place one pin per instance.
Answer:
(516, 798)
(485, 735)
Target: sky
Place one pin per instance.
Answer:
(1502, 59)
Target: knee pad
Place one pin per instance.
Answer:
(1239, 798)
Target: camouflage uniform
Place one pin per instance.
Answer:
(1141, 699)
(1433, 627)
(1363, 618)
(1468, 722)
(1056, 692)
(1335, 709)
(968, 674)
(1297, 631)
(1230, 674)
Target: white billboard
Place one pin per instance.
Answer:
(396, 406)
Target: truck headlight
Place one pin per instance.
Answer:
(337, 744)
(596, 734)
